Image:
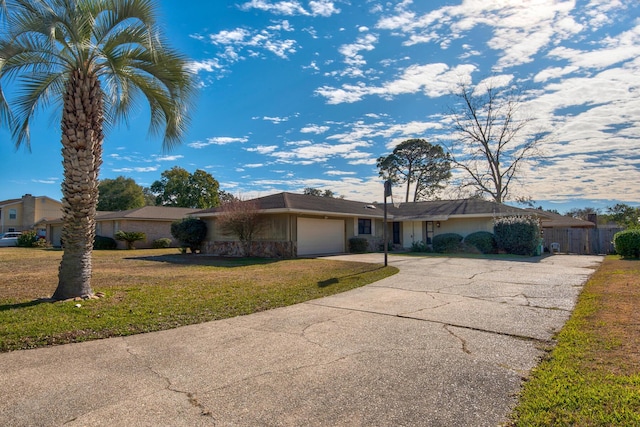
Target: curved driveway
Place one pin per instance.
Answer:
(445, 342)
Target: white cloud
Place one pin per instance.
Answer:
(217, 140)
(262, 149)
(339, 173)
(352, 57)
(46, 181)
(433, 80)
(167, 158)
(138, 169)
(317, 129)
(275, 120)
(208, 65)
(520, 30)
(553, 73)
(322, 8)
(318, 153)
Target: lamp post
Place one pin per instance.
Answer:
(387, 193)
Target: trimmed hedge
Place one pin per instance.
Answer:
(518, 235)
(420, 247)
(447, 243)
(161, 243)
(627, 243)
(103, 242)
(483, 241)
(358, 245)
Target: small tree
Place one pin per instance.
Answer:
(190, 232)
(241, 219)
(130, 237)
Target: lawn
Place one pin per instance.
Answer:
(592, 376)
(151, 290)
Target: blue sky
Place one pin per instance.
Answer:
(299, 93)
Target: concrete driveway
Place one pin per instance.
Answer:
(446, 342)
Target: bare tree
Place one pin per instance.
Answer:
(490, 143)
(241, 219)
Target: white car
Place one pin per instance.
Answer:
(10, 238)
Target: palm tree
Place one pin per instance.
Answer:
(94, 59)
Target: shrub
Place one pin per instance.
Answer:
(482, 241)
(41, 242)
(130, 237)
(163, 242)
(447, 243)
(420, 247)
(27, 239)
(518, 235)
(103, 242)
(358, 245)
(190, 232)
(627, 243)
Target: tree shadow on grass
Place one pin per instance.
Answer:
(33, 303)
(336, 280)
(207, 260)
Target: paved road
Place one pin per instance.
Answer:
(446, 342)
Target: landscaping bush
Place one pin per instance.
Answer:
(518, 235)
(627, 243)
(161, 243)
(103, 242)
(190, 232)
(447, 243)
(358, 245)
(27, 239)
(420, 247)
(483, 241)
(130, 237)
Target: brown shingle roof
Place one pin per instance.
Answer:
(434, 210)
(148, 212)
(303, 203)
(430, 210)
(551, 219)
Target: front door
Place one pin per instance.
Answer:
(396, 233)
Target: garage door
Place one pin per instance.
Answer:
(320, 236)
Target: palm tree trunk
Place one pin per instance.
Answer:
(81, 157)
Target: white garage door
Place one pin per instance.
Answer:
(320, 236)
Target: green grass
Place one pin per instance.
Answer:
(592, 376)
(150, 290)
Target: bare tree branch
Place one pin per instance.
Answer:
(490, 144)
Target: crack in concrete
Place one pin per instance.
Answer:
(462, 340)
(191, 398)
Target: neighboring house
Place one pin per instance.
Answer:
(28, 213)
(304, 225)
(154, 221)
(573, 235)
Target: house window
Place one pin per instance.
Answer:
(13, 214)
(364, 226)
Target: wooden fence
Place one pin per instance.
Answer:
(583, 241)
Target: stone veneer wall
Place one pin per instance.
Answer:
(258, 249)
